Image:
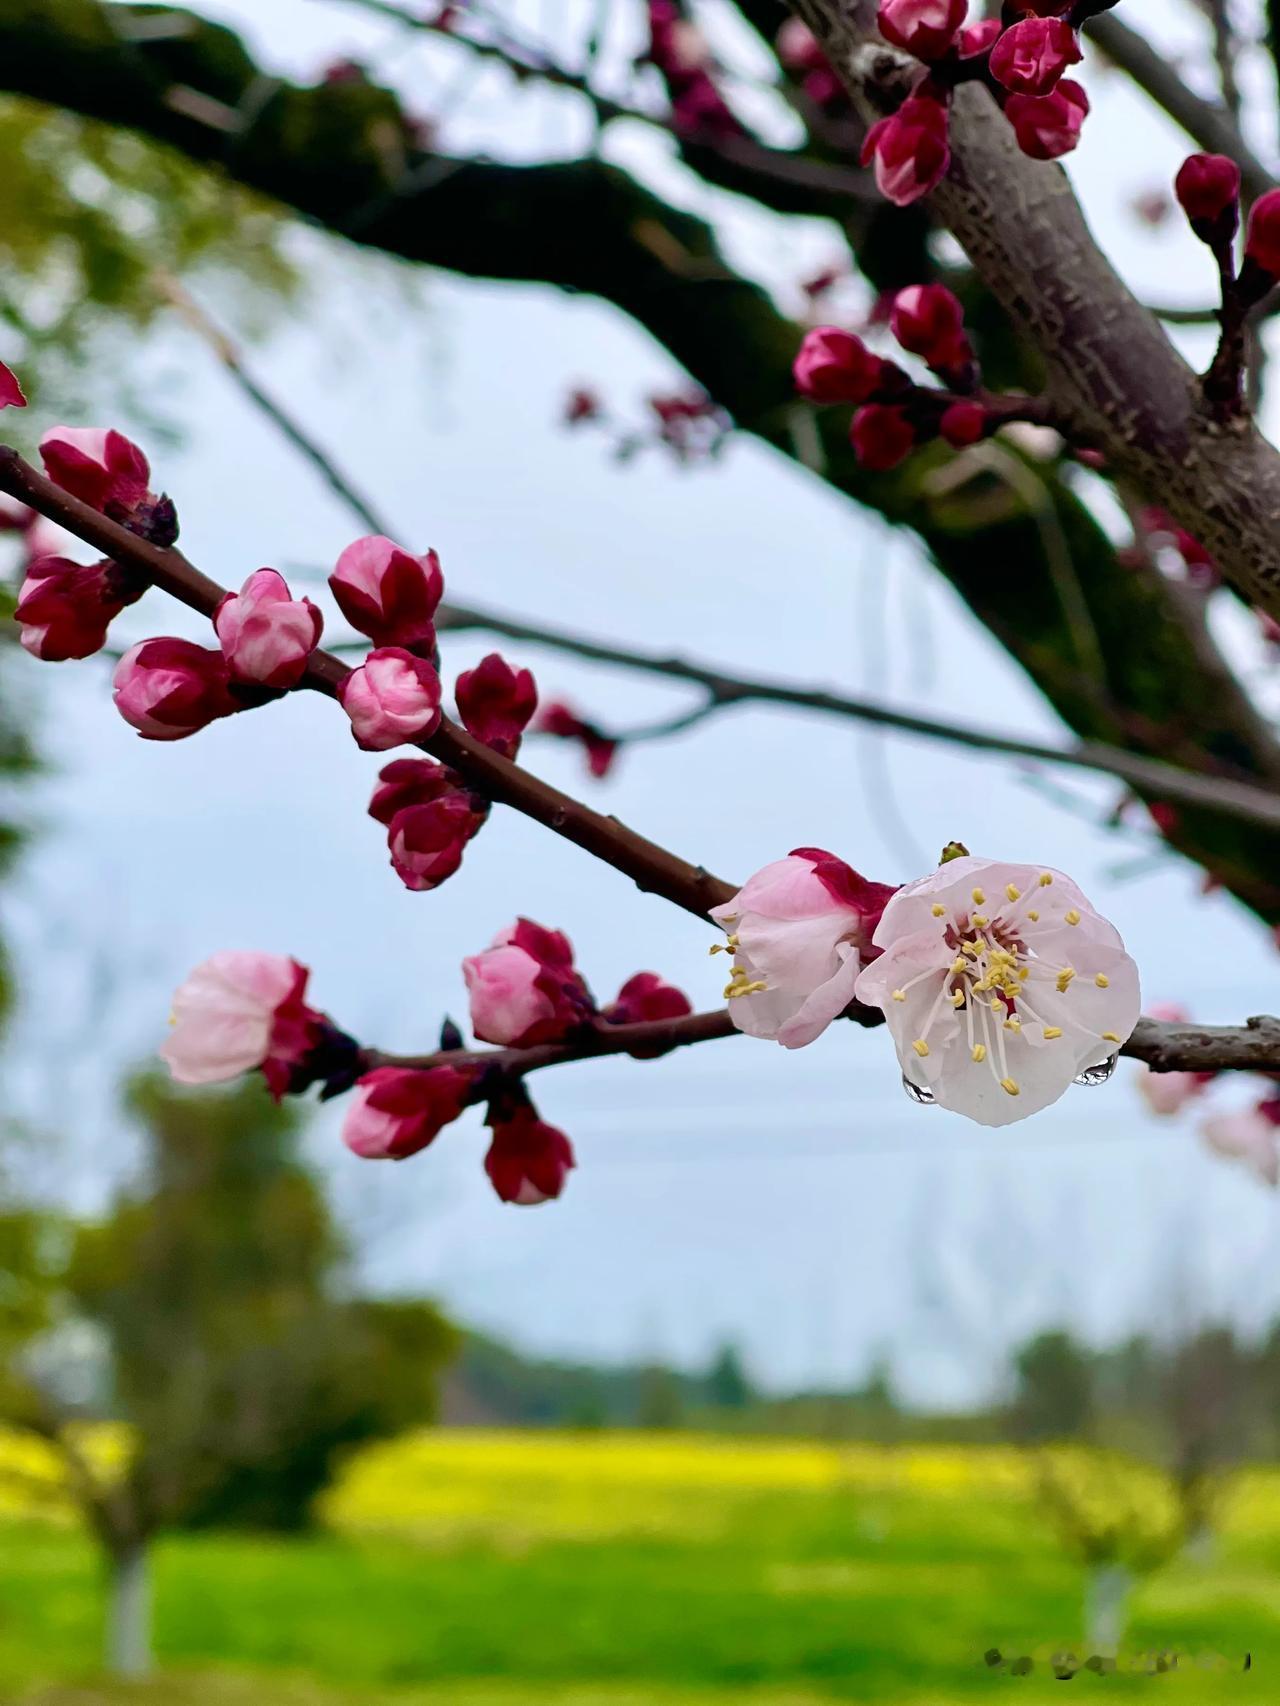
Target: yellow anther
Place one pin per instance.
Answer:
(939, 911)
(921, 1047)
(1024, 972)
(1014, 1025)
(1034, 917)
(957, 997)
(968, 948)
(718, 948)
(979, 1052)
(1009, 1086)
(978, 897)
(899, 995)
(1110, 1037)
(997, 1006)
(1073, 917)
(1052, 1031)
(1012, 892)
(960, 965)
(980, 923)
(1064, 978)
(1102, 981)
(1046, 878)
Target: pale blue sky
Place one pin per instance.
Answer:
(795, 1202)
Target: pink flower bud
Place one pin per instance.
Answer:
(524, 989)
(1048, 126)
(392, 698)
(11, 396)
(923, 27)
(563, 723)
(169, 689)
(65, 608)
(836, 367)
(646, 996)
(267, 637)
(397, 1111)
(963, 424)
(1208, 190)
(428, 841)
(911, 149)
(496, 703)
(238, 1011)
(388, 594)
(99, 466)
(979, 38)
(1030, 58)
(528, 1161)
(410, 782)
(881, 436)
(1262, 243)
(928, 321)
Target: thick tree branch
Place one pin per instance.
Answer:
(588, 227)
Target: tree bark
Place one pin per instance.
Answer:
(1106, 1603)
(128, 1631)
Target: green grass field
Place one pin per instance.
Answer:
(478, 1570)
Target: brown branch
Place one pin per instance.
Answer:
(1251, 1047)
(652, 868)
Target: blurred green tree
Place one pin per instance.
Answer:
(232, 1345)
(1054, 1397)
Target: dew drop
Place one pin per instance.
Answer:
(920, 1093)
(1100, 1073)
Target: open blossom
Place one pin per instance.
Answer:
(392, 698)
(107, 471)
(1030, 58)
(528, 1161)
(11, 395)
(524, 988)
(267, 636)
(389, 594)
(1000, 984)
(1251, 1137)
(496, 703)
(1048, 126)
(238, 1011)
(397, 1111)
(911, 149)
(65, 608)
(169, 688)
(798, 932)
(923, 27)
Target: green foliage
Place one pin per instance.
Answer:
(91, 218)
(1055, 1389)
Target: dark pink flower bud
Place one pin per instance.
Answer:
(647, 996)
(65, 608)
(849, 888)
(562, 722)
(169, 689)
(1262, 243)
(410, 782)
(397, 1111)
(267, 636)
(496, 703)
(1048, 126)
(99, 466)
(388, 594)
(392, 698)
(528, 1161)
(928, 321)
(428, 841)
(979, 38)
(911, 149)
(836, 367)
(1031, 58)
(964, 423)
(882, 436)
(923, 27)
(11, 396)
(524, 988)
(1208, 190)
(582, 405)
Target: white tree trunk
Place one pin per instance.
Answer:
(129, 1612)
(1106, 1601)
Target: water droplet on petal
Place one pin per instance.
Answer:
(920, 1093)
(1100, 1073)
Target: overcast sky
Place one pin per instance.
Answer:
(796, 1203)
